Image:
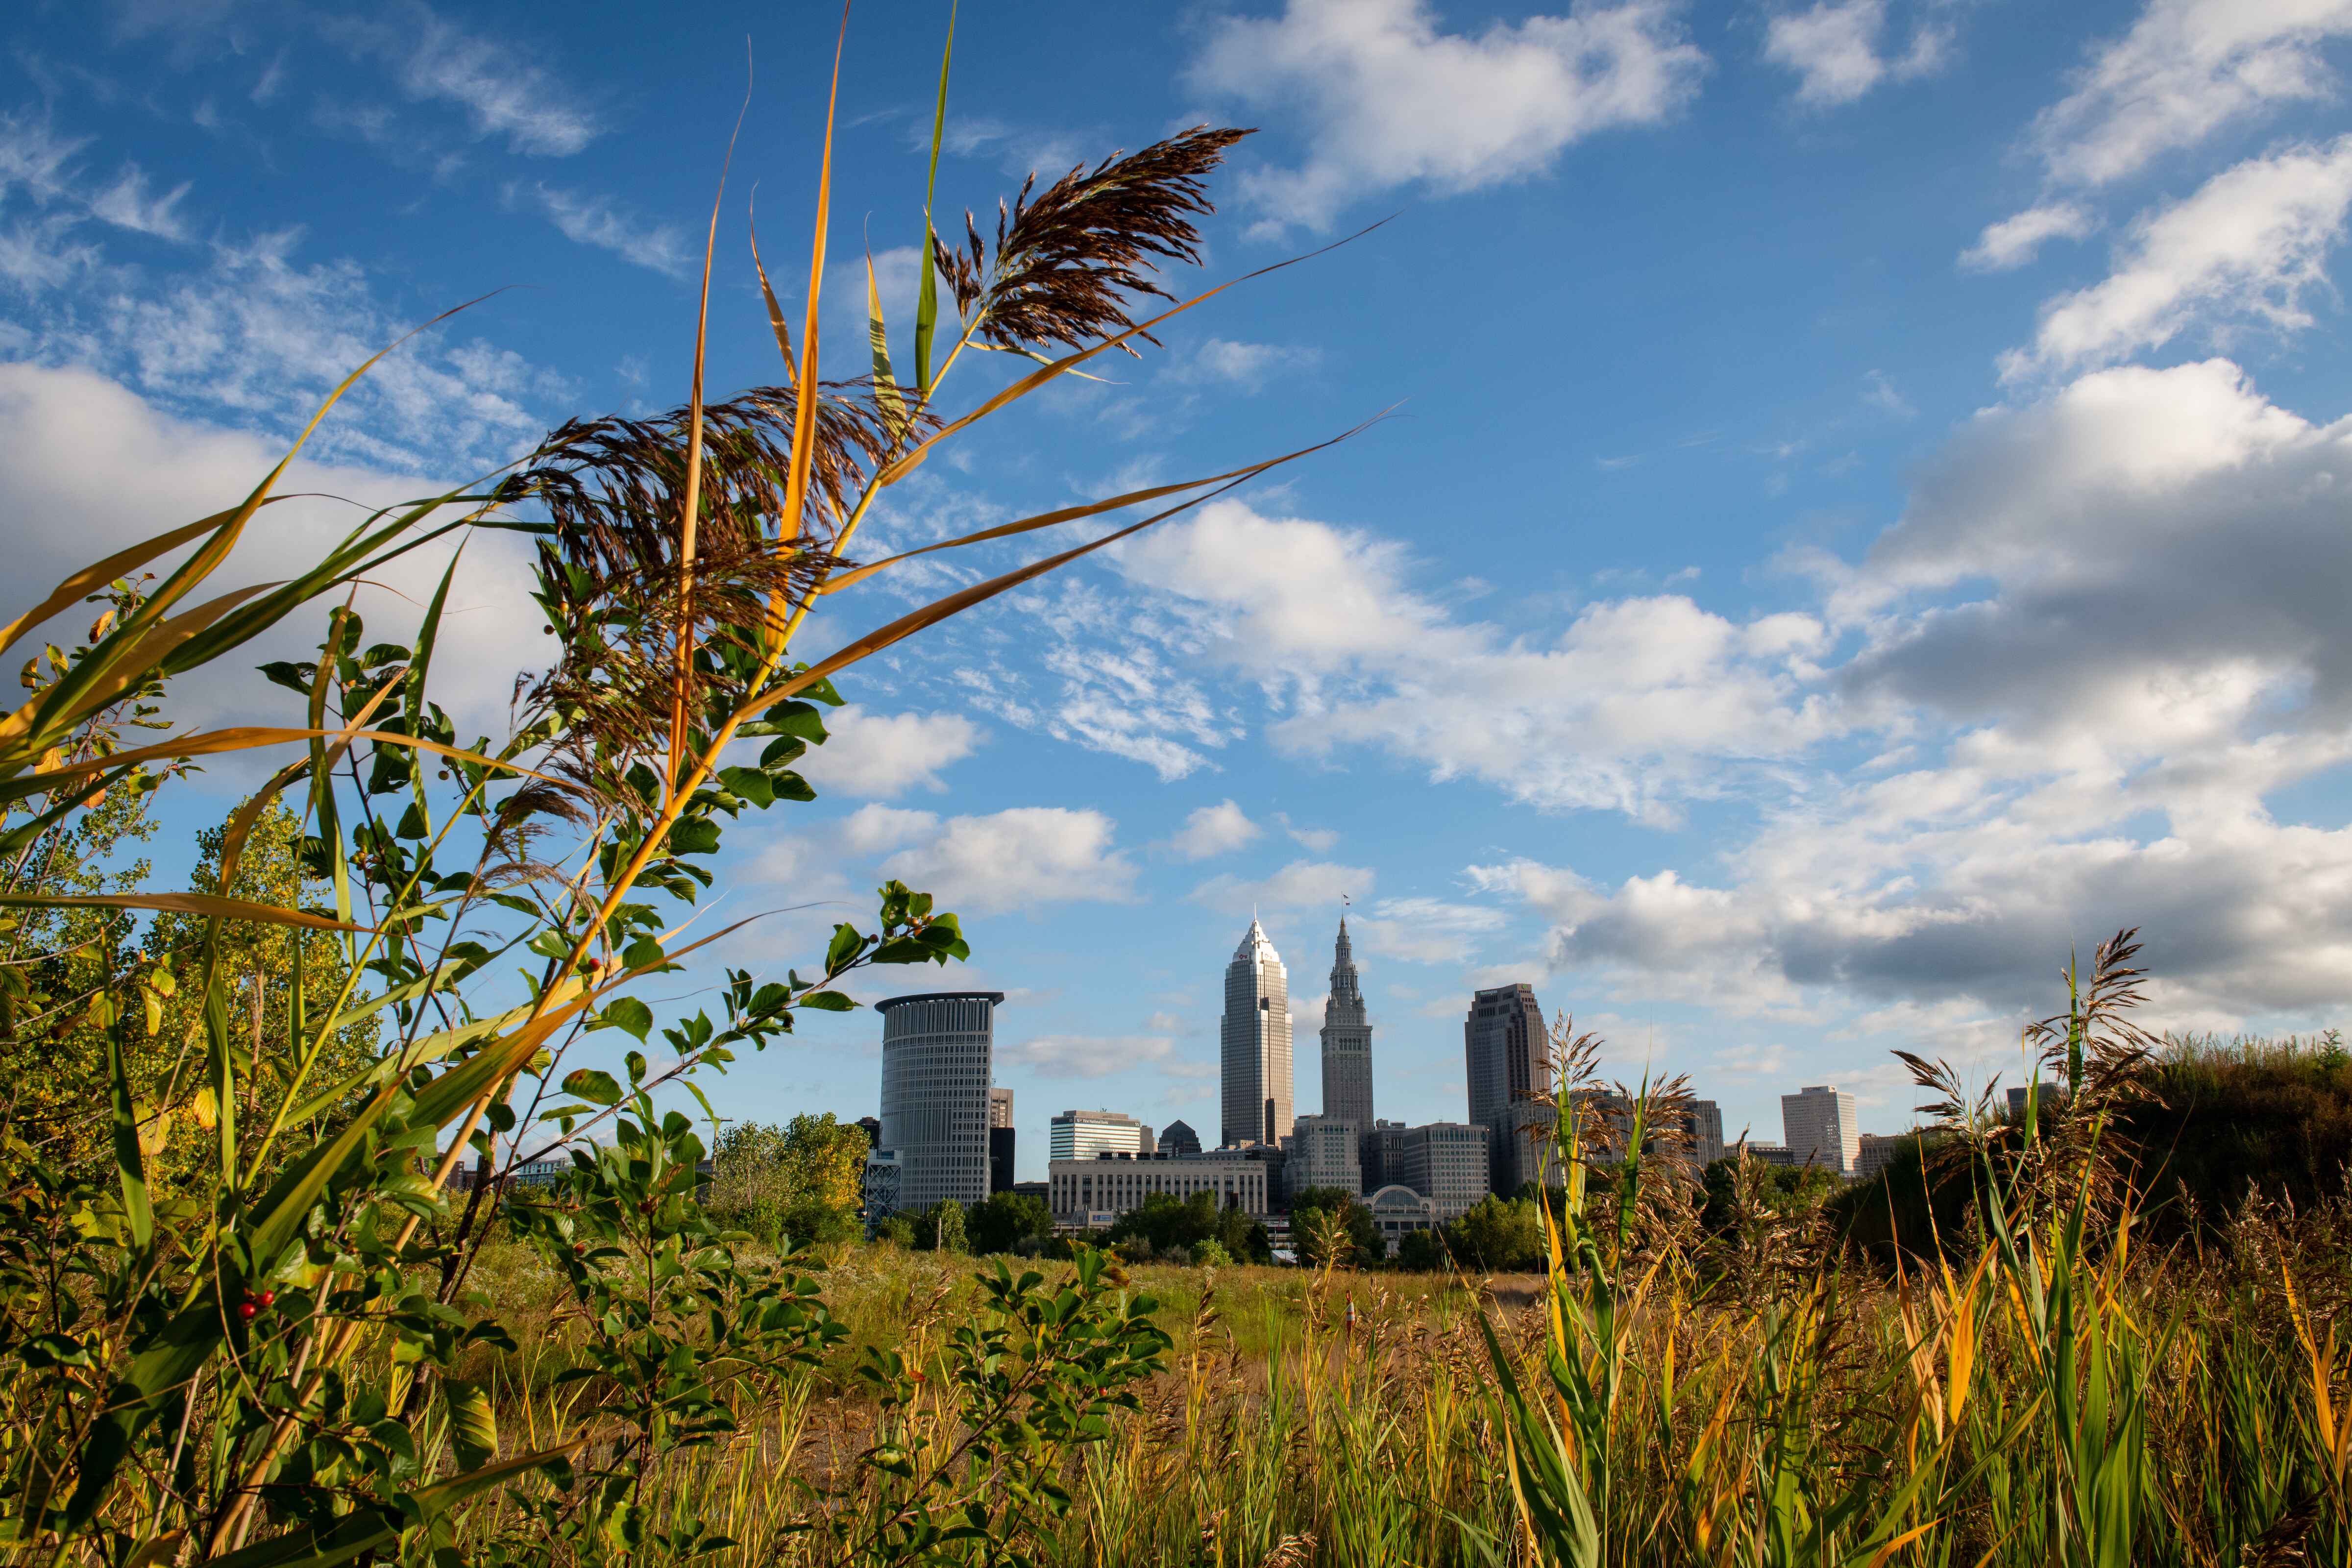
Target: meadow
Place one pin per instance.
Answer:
(1766, 1397)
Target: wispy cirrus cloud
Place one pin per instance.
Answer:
(603, 222)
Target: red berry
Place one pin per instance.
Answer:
(267, 1297)
(246, 1310)
(579, 1249)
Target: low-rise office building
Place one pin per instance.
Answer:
(1445, 1162)
(1083, 1134)
(1081, 1191)
(1397, 1209)
(1323, 1153)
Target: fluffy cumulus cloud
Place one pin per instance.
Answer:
(1021, 859)
(1839, 51)
(2105, 622)
(87, 467)
(1213, 830)
(882, 755)
(2186, 69)
(2247, 244)
(1630, 706)
(1390, 99)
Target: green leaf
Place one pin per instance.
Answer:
(795, 720)
(596, 1087)
(886, 386)
(361, 1533)
(473, 1424)
(694, 835)
(626, 1013)
(128, 1164)
(828, 1002)
(926, 295)
(750, 784)
(844, 947)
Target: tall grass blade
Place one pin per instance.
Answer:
(926, 288)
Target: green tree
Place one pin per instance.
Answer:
(1003, 1221)
(1424, 1251)
(800, 1181)
(1500, 1235)
(1787, 1191)
(1365, 1242)
(940, 1229)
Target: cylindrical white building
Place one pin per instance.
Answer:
(935, 1070)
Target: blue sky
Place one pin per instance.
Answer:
(1865, 507)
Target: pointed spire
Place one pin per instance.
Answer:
(1254, 942)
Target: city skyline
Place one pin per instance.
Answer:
(1516, 1060)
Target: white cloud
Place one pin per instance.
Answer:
(126, 204)
(596, 220)
(1634, 702)
(2146, 650)
(880, 755)
(1878, 390)
(33, 156)
(1390, 100)
(503, 91)
(1248, 366)
(1086, 1055)
(2248, 243)
(1017, 859)
(874, 827)
(1322, 840)
(1213, 830)
(1302, 884)
(2015, 240)
(87, 467)
(254, 336)
(1835, 48)
(1426, 930)
(2186, 69)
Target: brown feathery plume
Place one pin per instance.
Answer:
(2095, 1040)
(1063, 263)
(611, 486)
(608, 569)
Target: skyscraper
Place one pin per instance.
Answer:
(1819, 1126)
(1346, 1044)
(935, 1071)
(1506, 1055)
(1178, 1138)
(1000, 1108)
(1254, 1044)
(1706, 1132)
